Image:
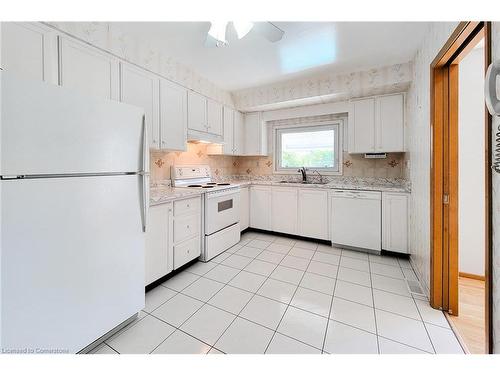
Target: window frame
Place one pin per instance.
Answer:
(335, 125)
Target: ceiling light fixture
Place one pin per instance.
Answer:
(242, 28)
(222, 32)
(218, 32)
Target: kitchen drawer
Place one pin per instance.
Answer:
(187, 206)
(186, 251)
(186, 227)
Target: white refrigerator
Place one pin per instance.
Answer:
(73, 200)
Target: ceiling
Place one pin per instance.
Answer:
(306, 48)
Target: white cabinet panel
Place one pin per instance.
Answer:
(87, 70)
(139, 88)
(28, 49)
(284, 210)
(395, 222)
(159, 250)
(255, 134)
(362, 126)
(197, 112)
(214, 117)
(260, 207)
(173, 116)
(239, 133)
(244, 208)
(186, 226)
(389, 123)
(377, 124)
(186, 252)
(228, 147)
(313, 213)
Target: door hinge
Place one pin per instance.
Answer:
(446, 199)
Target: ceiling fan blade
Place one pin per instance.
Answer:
(269, 31)
(210, 42)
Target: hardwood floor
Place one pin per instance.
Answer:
(470, 324)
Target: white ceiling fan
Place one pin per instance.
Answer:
(221, 33)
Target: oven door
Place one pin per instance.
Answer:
(222, 209)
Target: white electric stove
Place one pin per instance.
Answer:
(221, 207)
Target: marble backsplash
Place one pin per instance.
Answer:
(393, 167)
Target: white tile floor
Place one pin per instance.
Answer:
(272, 294)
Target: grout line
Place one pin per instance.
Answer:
(374, 314)
(331, 306)
(266, 278)
(288, 305)
(238, 315)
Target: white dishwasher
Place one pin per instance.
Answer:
(356, 218)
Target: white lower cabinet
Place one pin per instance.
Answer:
(284, 210)
(173, 237)
(260, 207)
(187, 230)
(395, 222)
(159, 250)
(313, 213)
(244, 208)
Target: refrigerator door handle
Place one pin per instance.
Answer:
(144, 173)
(145, 199)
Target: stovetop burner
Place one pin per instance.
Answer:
(223, 184)
(194, 185)
(212, 183)
(208, 187)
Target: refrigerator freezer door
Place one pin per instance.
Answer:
(72, 259)
(46, 129)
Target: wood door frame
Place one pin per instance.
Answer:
(444, 172)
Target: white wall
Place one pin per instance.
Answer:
(418, 141)
(471, 157)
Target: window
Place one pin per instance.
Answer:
(316, 147)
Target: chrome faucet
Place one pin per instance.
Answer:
(304, 174)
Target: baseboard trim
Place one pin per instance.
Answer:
(471, 276)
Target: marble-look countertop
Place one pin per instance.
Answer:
(373, 186)
(165, 194)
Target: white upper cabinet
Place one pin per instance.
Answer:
(362, 126)
(260, 204)
(313, 214)
(389, 123)
(377, 124)
(140, 88)
(239, 133)
(228, 146)
(86, 69)
(197, 112)
(29, 50)
(255, 134)
(214, 117)
(173, 116)
(395, 221)
(284, 210)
